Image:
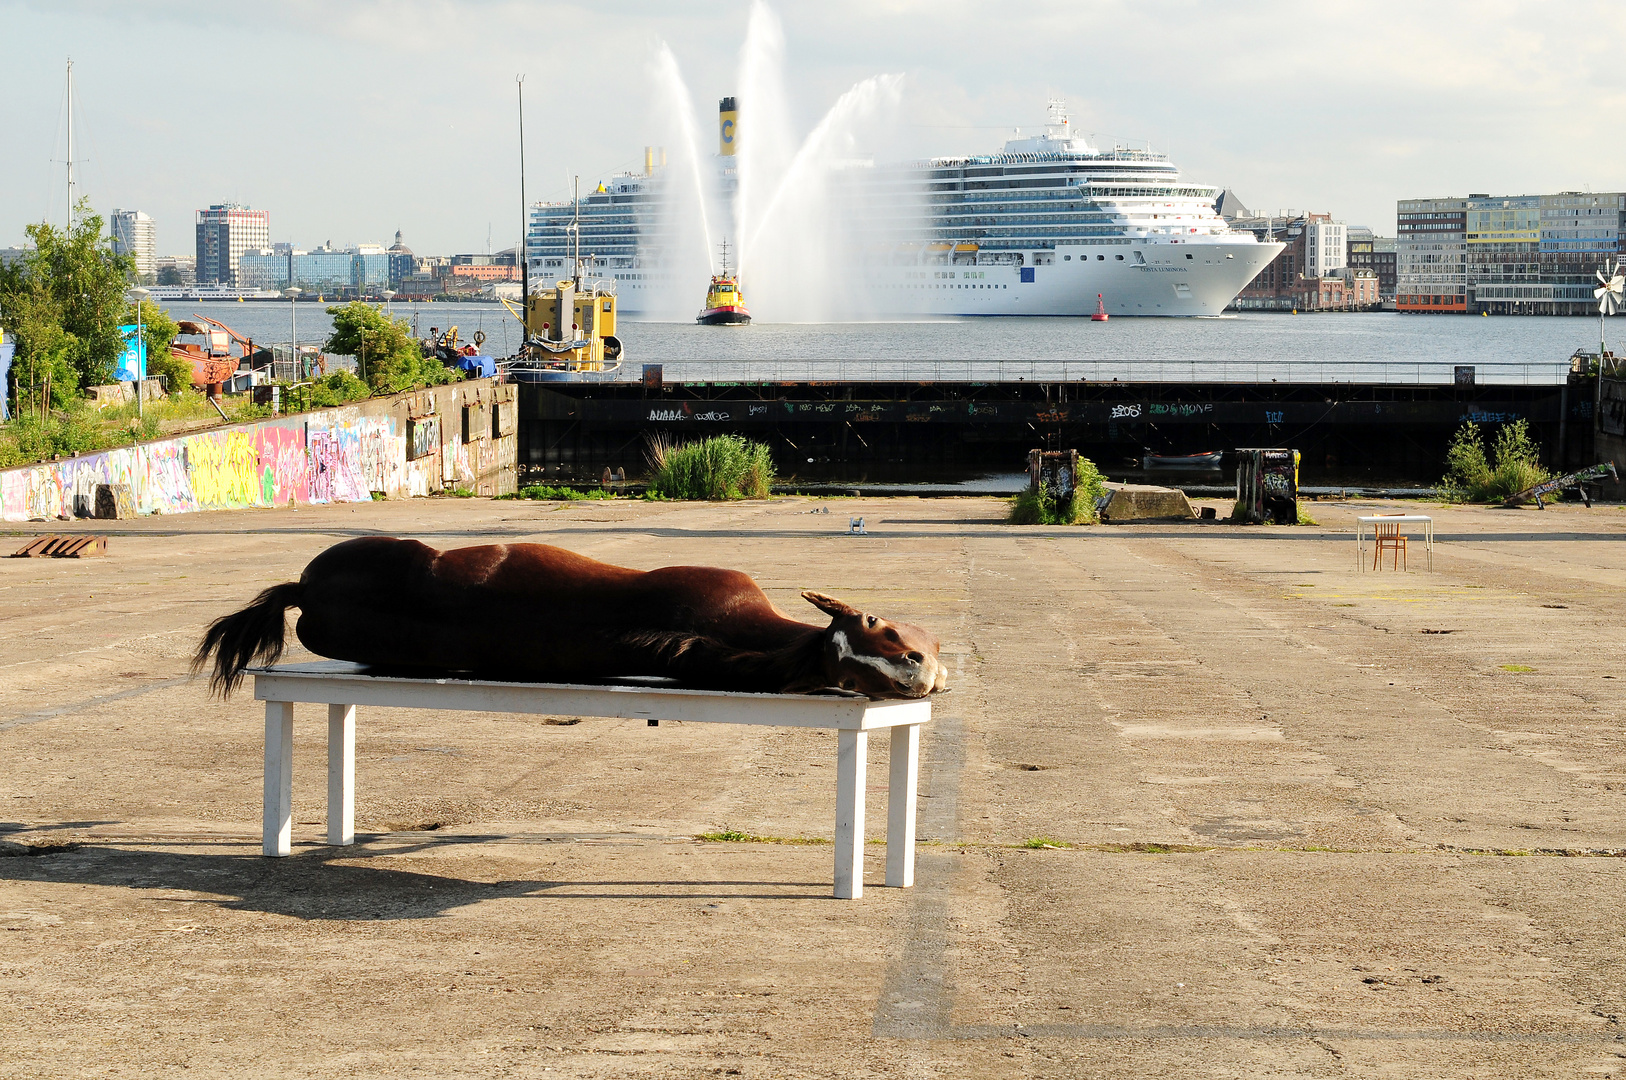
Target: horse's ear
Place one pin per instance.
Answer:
(829, 604)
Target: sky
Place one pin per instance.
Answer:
(350, 119)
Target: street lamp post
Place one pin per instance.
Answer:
(389, 299)
(140, 295)
(292, 293)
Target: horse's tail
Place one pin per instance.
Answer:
(239, 639)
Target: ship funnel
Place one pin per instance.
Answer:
(727, 127)
(649, 161)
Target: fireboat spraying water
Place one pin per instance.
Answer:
(725, 304)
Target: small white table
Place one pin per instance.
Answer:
(1405, 519)
(342, 686)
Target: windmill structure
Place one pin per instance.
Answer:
(1609, 294)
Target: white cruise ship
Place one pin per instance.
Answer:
(1048, 226)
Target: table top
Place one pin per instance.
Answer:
(1395, 517)
(340, 682)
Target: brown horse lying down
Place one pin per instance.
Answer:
(541, 613)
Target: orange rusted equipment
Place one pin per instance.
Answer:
(212, 360)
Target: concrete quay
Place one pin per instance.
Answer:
(1284, 817)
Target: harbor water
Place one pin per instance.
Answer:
(1334, 338)
(1346, 345)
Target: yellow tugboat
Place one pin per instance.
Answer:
(725, 304)
(569, 329)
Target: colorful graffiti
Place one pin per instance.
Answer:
(225, 470)
(283, 462)
(353, 456)
(339, 455)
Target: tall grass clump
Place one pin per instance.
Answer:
(1041, 506)
(721, 467)
(1511, 465)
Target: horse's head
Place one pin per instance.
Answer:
(883, 659)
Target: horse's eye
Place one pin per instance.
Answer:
(848, 684)
(872, 621)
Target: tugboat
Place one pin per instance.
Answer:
(569, 329)
(725, 304)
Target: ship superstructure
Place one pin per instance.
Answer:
(1048, 226)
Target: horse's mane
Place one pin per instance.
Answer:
(706, 661)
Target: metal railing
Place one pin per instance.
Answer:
(1303, 373)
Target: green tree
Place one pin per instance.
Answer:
(387, 357)
(169, 275)
(66, 300)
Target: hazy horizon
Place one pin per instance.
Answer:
(349, 120)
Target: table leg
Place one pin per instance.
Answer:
(903, 778)
(341, 774)
(277, 812)
(852, 753)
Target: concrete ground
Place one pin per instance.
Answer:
(1290, 819)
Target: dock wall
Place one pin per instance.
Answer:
(574, 431)
(419, 443)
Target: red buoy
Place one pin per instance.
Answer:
(1100, 309)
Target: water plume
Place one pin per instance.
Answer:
(799, 245)
(678, 236)
(795, 218)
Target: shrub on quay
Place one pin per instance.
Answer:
(1473, 475)
(721, 467)
(1041, 506)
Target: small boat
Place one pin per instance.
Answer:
(1100, 309)
(1204, 462)
(725, 304)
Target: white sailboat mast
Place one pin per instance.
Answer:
(70, 145)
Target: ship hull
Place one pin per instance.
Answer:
(724, 317)
(1151, 279)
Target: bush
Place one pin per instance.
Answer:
(722, 467)
(1040, 506)
(1472, 475)
(175, 371)
(336, 389)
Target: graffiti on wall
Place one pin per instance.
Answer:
(224, 469)
(284, 464)
(338, 455)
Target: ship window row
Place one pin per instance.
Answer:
(906, 285)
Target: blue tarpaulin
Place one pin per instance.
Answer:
(479, 367)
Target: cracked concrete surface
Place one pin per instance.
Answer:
(1290, 818)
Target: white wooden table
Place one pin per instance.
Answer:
(1362, 522)
(343, 686)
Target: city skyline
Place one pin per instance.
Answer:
(374, 129)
